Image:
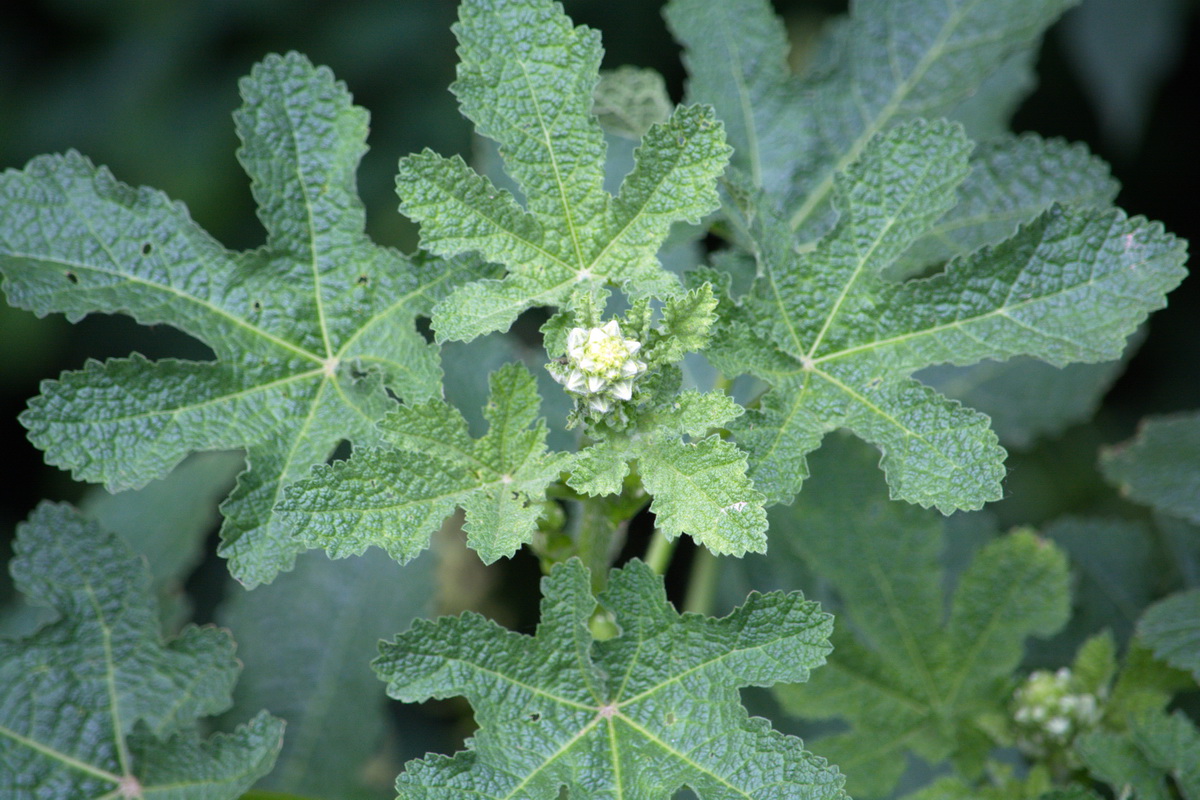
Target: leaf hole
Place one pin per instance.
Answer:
(535, 717)
(72, 277)
(669, 718)
(257, 306)
(147, 249)
(363, 280)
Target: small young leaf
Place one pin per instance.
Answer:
(294, 324)
(1161, 465)
(636, 716)
(395, 498)
(526, 79)
(96, 704)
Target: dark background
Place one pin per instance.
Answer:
(147, 87)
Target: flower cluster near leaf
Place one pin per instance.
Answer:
(1050, 710)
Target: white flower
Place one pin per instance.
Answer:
(1050, 711)
(600, 366)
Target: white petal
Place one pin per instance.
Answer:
(611, 329)
(632, 346)
(622, 390)
(575, 381)
(595, 383)
(599, 403)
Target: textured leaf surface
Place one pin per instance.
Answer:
(1012, 179)
(526, 80)
(294, 325)
(700, 487)
(1156, 751)
(1171, 629)
(305, 642)
(838, 343)
(636, 716)
(96, 703)
(907, 675)
(396, 498)
(886, 64)
(1161, 465)
(1026, 399)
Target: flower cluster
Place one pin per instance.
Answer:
(1050, 712)
(600, 367)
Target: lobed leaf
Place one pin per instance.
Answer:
(906, 674)
(1171, 629)
(396, 497)
(1159, 466)
(305, 641)
(838, 343)
(96, 703)
(311, 332)
(638, 716)
(526, 79)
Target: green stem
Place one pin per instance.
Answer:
(702, 583)
(658, 554)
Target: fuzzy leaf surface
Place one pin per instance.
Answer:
(1161, 465)
(838, 342)
(636, 716)
(1156, 751)
(526, 80)
(310, 331)
(700, 487)
(396, 497)
(883, 65)
(906, 674)
(96, 701)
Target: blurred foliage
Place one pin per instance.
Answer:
(147, 89)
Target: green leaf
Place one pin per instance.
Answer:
(165, 522)
(1171, 629)
(700, 487)
(735, 52)
(628, 101)
(395, 498)
(295, 325)
(1159, 466)
(636, 716)
(907, 675)
(1026, 399)
(892, 62)
(96, 703)
(305, 641)
(526, 80)
(886, 64)
(1012, 180)
(838, 343)
(1156, 751)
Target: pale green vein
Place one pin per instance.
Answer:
(683, 757)
(889, 418)
(568, 211)
(60, 757)
(567, 745)
(821, 191)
